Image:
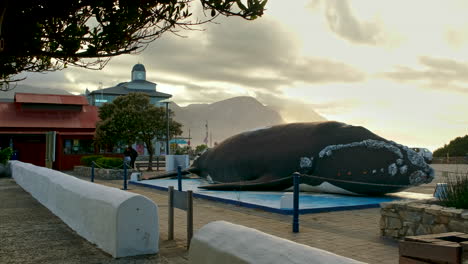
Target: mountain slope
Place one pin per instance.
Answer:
(225, 118)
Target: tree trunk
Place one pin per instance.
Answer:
(149, 146)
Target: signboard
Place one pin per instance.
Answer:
(178, 141)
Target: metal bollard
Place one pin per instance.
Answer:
(125, 176)
(92, 171)
(179, 178)
(296, 178)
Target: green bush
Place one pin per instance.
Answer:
(456, 147)
(109, 163)
(86, 160)
(5, 155)
(456, 192)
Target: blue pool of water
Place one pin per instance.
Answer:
(271, 201)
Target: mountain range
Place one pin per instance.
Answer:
(224, 118)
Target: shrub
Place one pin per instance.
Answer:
(86, 160)
(109, 163)
(456, 192)
(5, 155)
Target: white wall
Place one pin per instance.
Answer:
(172, 161)
(119, 222)
(224, 242)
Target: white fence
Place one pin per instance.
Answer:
(119, 222)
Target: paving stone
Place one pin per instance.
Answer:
(354, 233)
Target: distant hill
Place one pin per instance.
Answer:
(225, 118)
(10, 95)
(456, 147)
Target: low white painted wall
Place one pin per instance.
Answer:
(119, 222)
(172, 161)
(223, 242)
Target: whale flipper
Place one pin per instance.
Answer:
(263, 183)
(174, 173)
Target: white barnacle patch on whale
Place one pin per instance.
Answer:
(392, 169)
(305, 162)
(415, 158)
(418, 177)
(382, 170)
(374, 171)
(399, 162)
(403, 169)
(368, 143)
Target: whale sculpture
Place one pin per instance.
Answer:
(331, 157)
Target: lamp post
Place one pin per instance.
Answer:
(167, 126)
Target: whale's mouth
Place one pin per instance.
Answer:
(379, 159)
(425, 174)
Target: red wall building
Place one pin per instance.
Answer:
(25, 122)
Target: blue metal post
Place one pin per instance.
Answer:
(92, 171)
(125, 175)
(296, 177)
(179, 177)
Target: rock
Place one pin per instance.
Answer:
(393, 223)
(421, 230)
(437, 229)
(410, 216)
(442, 219)
(433, 209)
(387, 205)
(456, 226)
(428, 219)
(411, 225)
(409, 232)
(464, 214)
(402, 232)
(417, 207)
(389, 214)
(452, 212)
(382, 222)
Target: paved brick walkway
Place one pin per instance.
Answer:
(29, 233)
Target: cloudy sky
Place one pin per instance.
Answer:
(398, 68)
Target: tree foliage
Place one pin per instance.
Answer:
(132, 118)
(457, 147)
(48, 35)
(201, 148)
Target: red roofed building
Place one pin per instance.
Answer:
(69, 120)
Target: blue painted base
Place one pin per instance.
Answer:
(270, 201)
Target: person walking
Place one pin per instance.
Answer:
(133, 156)
(128, 155)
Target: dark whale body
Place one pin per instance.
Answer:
(331, 156)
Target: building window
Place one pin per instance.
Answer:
(78, 146)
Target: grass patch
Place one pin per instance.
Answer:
(456, 192)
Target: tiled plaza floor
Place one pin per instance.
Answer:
(29, 233)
